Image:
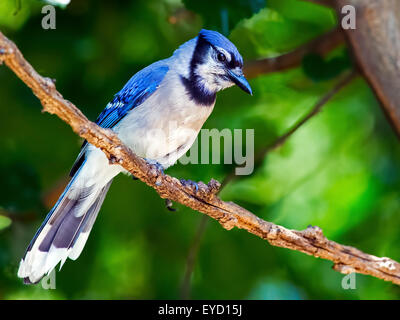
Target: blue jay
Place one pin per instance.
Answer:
(180, 90)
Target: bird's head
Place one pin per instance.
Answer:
(215, 64)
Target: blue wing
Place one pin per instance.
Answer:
(141, 86)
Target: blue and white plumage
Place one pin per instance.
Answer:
(158, 114)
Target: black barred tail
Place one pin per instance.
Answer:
(64, 232)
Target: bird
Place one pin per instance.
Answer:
(158, 115)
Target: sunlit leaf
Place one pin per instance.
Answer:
(4, 222)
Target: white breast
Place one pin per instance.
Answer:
(166, 125)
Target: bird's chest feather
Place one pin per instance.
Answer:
(165, 126)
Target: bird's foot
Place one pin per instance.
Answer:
(168, 205)
(190, 184)
(159, 169)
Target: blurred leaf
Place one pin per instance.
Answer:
(303, 11)
(13, 14)
(225, 14)
(4, 222)
(281, 27)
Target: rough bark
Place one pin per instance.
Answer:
(376, 46)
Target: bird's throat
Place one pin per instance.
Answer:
(197, 91)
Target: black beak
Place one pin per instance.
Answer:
(240, 81)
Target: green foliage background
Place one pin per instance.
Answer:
(340, 171)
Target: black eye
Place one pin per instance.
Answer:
(221, 57)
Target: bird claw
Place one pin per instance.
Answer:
(191, 184)
(158, 167)
(168, 205)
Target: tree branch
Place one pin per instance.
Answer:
(310, 241)
(321, 45)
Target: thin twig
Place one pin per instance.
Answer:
(191, 258)
(310, 241)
